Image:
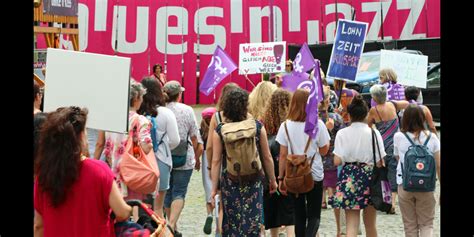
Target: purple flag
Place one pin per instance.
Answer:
(315, 96)
(304, 60)
(221, 65)
(293, 81)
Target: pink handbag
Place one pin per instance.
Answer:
(139, 171)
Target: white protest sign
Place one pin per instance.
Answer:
(266, 57)
(411, 69)
(95, 81)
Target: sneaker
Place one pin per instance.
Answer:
(207, 225)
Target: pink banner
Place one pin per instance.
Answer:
(179, 30)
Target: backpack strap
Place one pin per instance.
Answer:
(427, 140)
(288, 136)
(218, 117)
(409, 139)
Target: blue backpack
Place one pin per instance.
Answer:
(153, 129)
(419, 171)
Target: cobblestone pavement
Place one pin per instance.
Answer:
(193, 216)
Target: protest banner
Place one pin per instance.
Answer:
(262, 58)
(347, 49)
(97, 82)
(411, 69)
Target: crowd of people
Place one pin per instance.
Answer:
(245, 148)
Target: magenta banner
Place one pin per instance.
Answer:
(182, 34)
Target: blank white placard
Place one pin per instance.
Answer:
(98, 82)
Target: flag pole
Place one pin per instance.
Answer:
(248, 79)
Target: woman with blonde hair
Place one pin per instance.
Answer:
(388, 79)
(259, 97)
(278, 210)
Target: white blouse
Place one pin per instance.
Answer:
(354, 144)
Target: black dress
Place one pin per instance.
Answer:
(278, 209)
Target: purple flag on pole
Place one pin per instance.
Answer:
(293, 81)
(221, 65)
(315, 96)
(304, 60)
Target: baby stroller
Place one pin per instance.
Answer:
(148, 224)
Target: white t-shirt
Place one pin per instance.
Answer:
(166, 122)
(401, 145)
(354, 144)
(298, 140)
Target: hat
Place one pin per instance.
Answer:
(172, 88)
(208, 112)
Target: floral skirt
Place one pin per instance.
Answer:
(243, 207)
(353, 189)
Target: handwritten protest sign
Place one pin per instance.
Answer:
(262, 58)
(411, 69)
(346, 50)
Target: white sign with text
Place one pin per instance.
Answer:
(411, 69)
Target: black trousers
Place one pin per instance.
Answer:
(308, 211)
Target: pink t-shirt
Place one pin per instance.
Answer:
(86, 210)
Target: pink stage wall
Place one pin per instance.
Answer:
(148, 36)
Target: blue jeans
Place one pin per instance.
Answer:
(179, 180)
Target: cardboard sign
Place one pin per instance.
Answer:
(262, 58)
(411, 69)
(347, 49)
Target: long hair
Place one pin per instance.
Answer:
(413, 120)
(276, 110)
(235, 105)
(259, 98)
(59, 154)
(297, 111)
(225, 90)
(205, 128)
(153, 97)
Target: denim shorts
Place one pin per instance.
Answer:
(164, 175)
(179, 181)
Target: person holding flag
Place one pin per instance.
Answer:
(307, 205)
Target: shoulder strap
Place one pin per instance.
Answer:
(427, 140)
(307, 143)
(376, 110)
(373, 145)
(218, 117)
(411, 141)
(288, 136)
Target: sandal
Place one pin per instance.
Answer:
(392, 211)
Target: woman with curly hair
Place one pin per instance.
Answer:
(73, 195)
(215, 120)
(278, 210)
(259, 97)
(242, 201)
